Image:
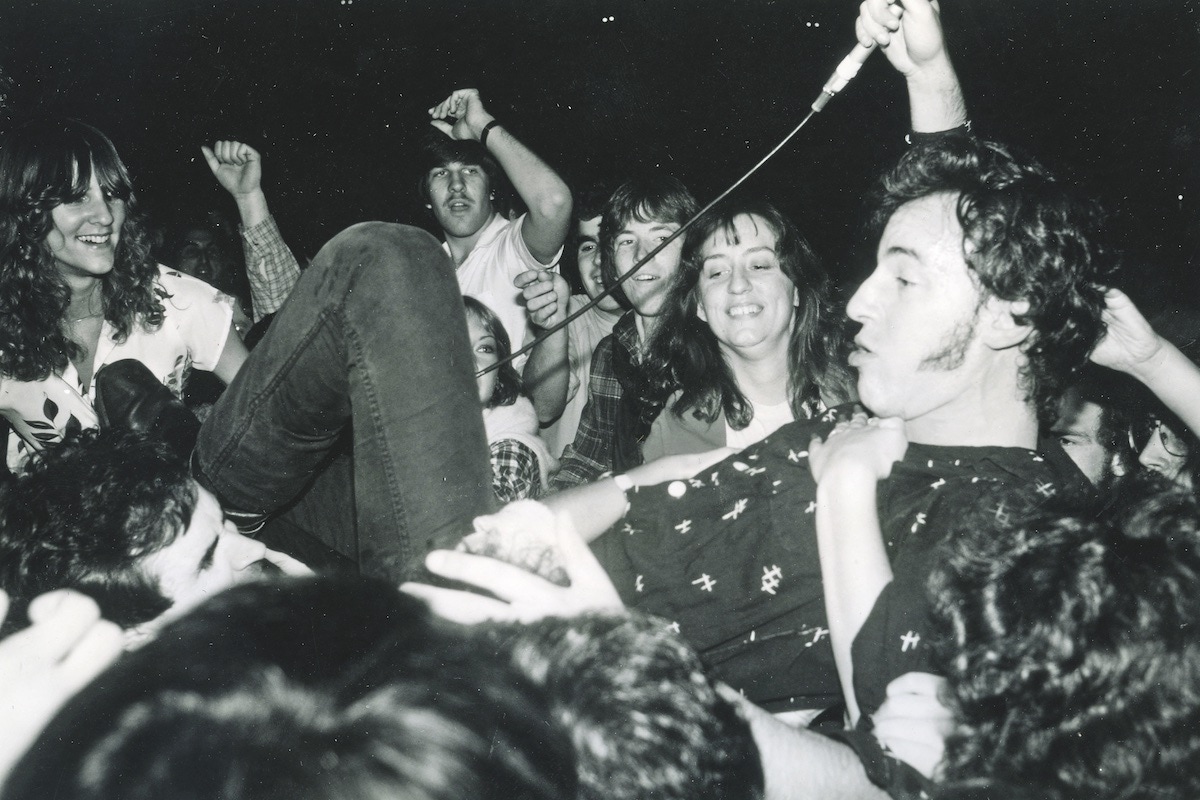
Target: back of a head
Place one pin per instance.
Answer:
(644, 717)
(1027, 237)
(84, 515)
(1071, 645)
(312, 689)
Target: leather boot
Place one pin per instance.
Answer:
(129, 396)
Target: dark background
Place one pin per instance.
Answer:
(334, 93)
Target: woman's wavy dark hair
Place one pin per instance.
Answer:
(1027, 237)
(1071, 645)
(45, 163)
(685, 354)
(508, 381)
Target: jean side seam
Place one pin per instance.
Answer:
(395, 500)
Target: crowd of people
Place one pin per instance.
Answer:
(427, 519)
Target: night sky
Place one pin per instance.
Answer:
(334, 93)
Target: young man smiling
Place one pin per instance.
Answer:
(640, 215)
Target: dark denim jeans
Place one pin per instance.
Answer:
(372, 337)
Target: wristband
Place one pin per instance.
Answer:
(931, 137)
(486, 130)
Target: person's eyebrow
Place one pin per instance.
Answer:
(207, 560)
(898, 250)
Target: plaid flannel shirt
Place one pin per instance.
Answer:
(515, 471)
(270, 266)
(591, 454)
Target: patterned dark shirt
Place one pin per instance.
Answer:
(730, 558)
(592, 453)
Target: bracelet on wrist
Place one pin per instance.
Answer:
(927, 137)
(486, 130)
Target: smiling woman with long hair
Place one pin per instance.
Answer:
(79, 290)
(747, 340)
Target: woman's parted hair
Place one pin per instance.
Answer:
(1026, 237)
(686, 354)
(43, 164)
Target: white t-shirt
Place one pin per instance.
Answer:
(195, 325)
(488, 272)
(767, 420)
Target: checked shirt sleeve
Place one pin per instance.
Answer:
(515, 474)
(270, 267)
(591, 454)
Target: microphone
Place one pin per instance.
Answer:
(843, 74)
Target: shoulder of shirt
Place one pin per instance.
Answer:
(172, 279)
(497, 228)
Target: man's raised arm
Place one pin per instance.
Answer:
(462, 116)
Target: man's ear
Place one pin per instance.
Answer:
(1000, 327)
(1118, 466)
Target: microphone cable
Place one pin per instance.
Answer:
(845, 72)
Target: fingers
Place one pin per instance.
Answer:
(229, 153)
(506, 581)
(59, 621)
(99, 646)
(455, 105)
(210, 158)
(877, 21)
(465, 608)
(287, 565)
(528, 277)
(67, 636)
(444, 127)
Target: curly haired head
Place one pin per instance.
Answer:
(84, 516)
(43, 164)
(644, 717)
(1072, 649)
(1026, 237)
(686, 354)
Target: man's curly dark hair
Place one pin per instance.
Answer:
(84, 516)
(645, 718)
(1071, 645)
(43, 164)
(1027, 237)
(685, 354)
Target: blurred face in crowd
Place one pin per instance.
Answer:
(201, 256)
(460, 195)
(1166, 452)
(1080, 430)
(587, 255)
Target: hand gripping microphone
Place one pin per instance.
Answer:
(844, 73)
